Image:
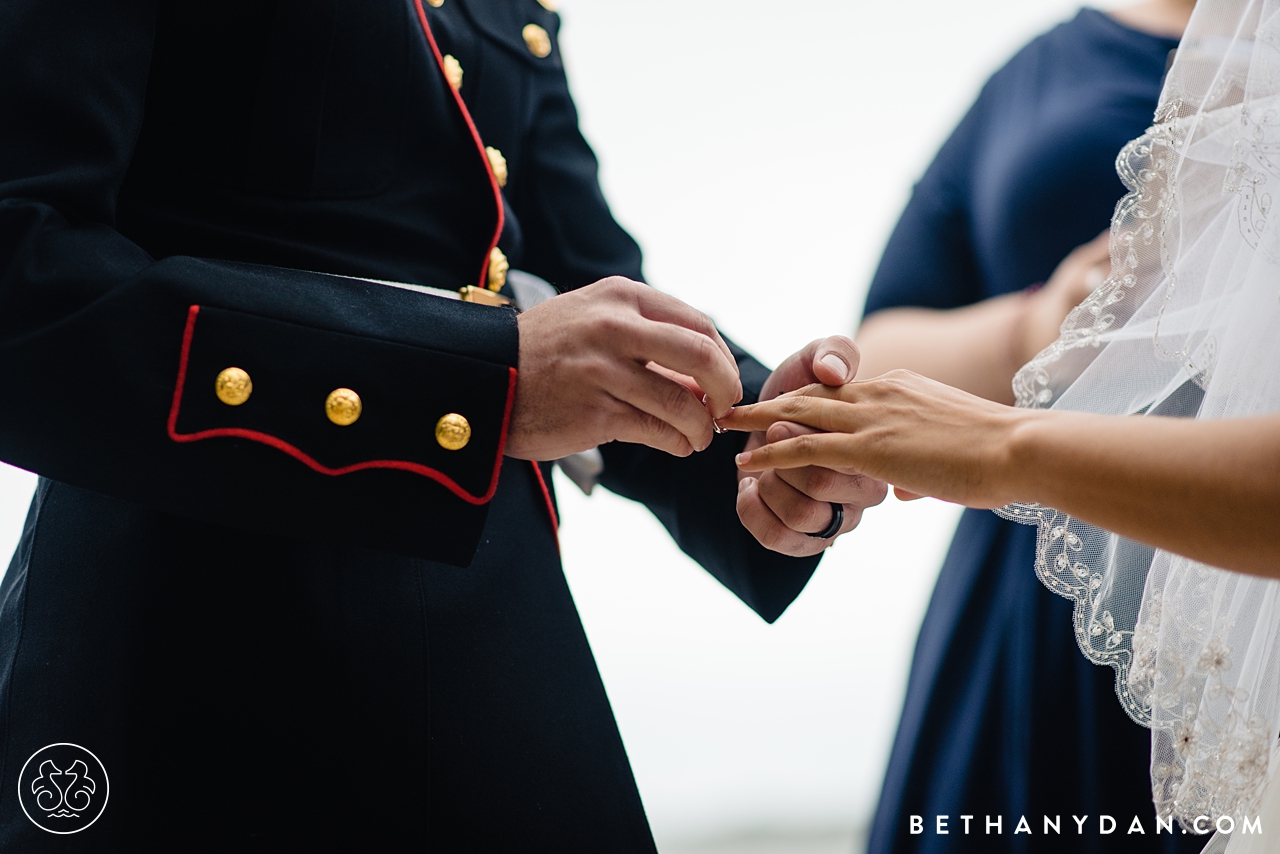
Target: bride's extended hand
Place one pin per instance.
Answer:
(924, 437)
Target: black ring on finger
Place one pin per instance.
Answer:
(837, 522)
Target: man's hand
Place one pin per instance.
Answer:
(618, 361)
(782, 507)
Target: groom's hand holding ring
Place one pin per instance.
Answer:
(792, 511)
(618, 361)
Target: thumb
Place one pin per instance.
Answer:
(835, 360)
(831, 361)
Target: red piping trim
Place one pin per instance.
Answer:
(281, 445)
(475, 135)
(551, 505)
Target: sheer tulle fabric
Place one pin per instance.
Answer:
(1188, 324)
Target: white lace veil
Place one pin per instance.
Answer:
(1188, 324)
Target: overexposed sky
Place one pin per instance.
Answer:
(760, 152)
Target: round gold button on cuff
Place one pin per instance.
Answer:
(537, 40)
(233, 386)
(343, 407)
(436, 3)
(453, 432)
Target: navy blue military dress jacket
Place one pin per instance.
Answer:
(278, 575)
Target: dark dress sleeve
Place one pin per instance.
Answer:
(110, 356)
(573, 240)
(929, 261)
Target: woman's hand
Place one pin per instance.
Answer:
(783, 508)
(1079, 275)
(924, 437)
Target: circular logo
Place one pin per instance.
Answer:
(63, 788)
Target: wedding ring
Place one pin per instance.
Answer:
(837, 522)
(715, 425)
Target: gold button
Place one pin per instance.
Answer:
(499, 165)
(343, 407)
(453, 432)
(498, 267)
(233, 386)
(481, 296)
(549, 5)
(436, 3)
(537, 40)
(453, 71)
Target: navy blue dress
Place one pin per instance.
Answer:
(1003, 715)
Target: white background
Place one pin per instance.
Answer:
(760, 152)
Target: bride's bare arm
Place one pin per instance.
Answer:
(1206, 489)
(979, 347)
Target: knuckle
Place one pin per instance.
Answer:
(792, 514)
(597, 373)
(806, 445)
(704, 350)
(772, 536)
(896, 380)
(650, 427)
(795, 511)
(677, 398)
(877, 492)
(612, 324)
(809, 516)
(822, 483)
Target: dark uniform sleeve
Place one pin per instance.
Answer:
(929, 260)
(573, 240)
(112, 358)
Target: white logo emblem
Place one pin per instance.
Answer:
(63, 788)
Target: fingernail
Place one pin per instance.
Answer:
(743, 458)
(835, 363)
(742, 484)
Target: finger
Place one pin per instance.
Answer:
(793, 508)
(780, 431)
(1099, 249)
(1096, 276)
(692, 354)
(666, 400)
(768, 529)
(808, 408)
(904, 495)
(828, 450)
(636, 427)
(686, 381)
(835, 358)
(658, 306)
(841, 486)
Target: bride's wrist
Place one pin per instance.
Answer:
(1026, 444)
